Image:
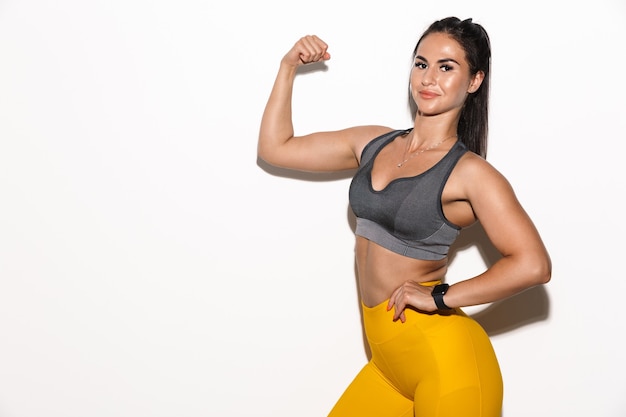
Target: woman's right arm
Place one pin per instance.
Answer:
(321, 151)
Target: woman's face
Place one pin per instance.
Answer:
(440, 78)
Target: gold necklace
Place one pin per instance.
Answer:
(419, 151)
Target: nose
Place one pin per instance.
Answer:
(428, 76)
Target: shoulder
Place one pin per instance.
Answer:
(479, 177)
(486, 189)
(474, 166)
(365, 134)
(361, 136)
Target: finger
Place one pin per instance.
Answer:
(398, 310)
(392, 299)
(399, 315)
(324, 48)
(316, 44)
(313, 49)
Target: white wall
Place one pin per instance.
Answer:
(151, 266)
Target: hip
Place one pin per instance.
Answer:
(450, 346)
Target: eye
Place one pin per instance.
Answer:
(420, 65)
(446, 68)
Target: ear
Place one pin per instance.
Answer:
(476, 82)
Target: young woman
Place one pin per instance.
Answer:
(413, 191)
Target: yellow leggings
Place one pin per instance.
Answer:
(433, 365)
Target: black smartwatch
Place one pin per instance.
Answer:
(438, 292)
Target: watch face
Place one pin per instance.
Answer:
(440, 289)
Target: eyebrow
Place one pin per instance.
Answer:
(441, 61)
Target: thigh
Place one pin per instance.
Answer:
(371, 395)
(468, 381)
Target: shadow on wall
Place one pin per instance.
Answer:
(527, 307)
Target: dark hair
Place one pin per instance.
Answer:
(473, 123)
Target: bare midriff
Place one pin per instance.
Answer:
(381, 271)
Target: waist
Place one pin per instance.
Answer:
(381, 271)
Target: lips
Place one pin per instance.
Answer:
(427, 94)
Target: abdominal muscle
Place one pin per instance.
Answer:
(381, 271)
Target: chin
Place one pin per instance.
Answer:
(428, 112)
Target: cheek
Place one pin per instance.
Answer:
(457, 87)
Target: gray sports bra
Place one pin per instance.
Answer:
(406, 216)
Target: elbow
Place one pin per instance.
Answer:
(262, 154)
(270, 153)
(271, 159)
(265, 155)
(532, 271)
(541, 273)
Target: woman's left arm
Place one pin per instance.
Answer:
(525, 261)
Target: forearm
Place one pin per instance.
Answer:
(276, 124)
(507, 277)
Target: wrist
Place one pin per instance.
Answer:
(438, 293)
(289, 67)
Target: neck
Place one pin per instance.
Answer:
(427, 127)
(426, 138)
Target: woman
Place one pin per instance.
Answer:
(413, 192)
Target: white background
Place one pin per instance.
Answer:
(150, 265)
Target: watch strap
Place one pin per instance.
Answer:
(438, 292)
